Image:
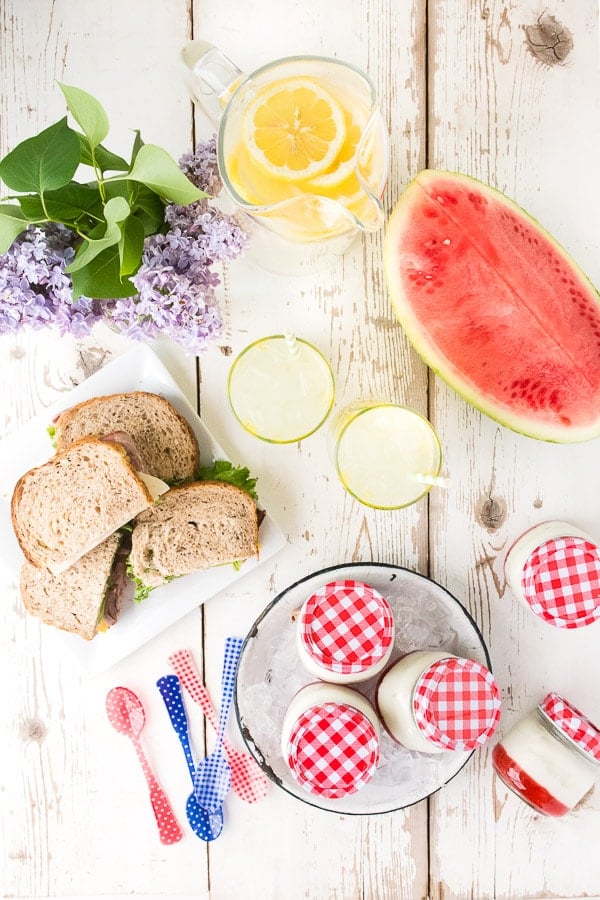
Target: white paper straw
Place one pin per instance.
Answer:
(434, 480)
(291, 342)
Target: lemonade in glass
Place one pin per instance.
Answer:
(387, 456)
(281, 388)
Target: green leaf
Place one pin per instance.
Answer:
(137, 145)
(144, 202)
(223, 470)
(51, 431)
(150, 210)
(105, 159)
(101, 278)
(12, 223)
(115, 212)
(131, 246)
(42, 163)
(66, 205)
(158, 170)
(87, 112)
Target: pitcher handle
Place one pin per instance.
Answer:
(210, 77)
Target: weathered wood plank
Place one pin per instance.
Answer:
(75, 818)
(527, 128)
(293, 850)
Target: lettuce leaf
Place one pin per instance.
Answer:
(223, 470)
(142, 591)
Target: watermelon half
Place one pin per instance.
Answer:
(496, 307)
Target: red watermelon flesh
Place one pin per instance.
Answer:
(496, 307)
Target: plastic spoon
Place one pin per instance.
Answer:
(247, 778)
(206, 825)
(213, 774)
(126, 715)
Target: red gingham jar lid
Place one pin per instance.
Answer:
(333, 750)
(561, 582)
(346, 627)
(573, 724)
(456, 703)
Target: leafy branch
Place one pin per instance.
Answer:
(111, 215)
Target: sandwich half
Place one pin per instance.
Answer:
(66, 507)
(86, 598)
(193, 527)
(163, 438)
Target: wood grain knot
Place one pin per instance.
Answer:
(492, 513)
(91, 359)
(33, 730)
(548, 40)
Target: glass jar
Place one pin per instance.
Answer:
(330, 740)
(550, 757)
(345, 632)
(554, 569)
(431, 701)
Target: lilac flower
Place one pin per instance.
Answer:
(35, 291)
(201, 167)
(175, 282)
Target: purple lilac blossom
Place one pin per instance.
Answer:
(175, 281)
(35, 291)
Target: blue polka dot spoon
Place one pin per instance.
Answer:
(213, 774)
(207, 825)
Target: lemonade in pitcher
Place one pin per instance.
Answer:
(302, 146)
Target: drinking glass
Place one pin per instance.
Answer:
(386, 455)
(281, 388)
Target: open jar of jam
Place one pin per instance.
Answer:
(550, 758)
(554, 569)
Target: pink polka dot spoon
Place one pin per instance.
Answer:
(126, 715)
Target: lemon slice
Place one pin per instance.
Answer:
(294, 129)
(340, 178)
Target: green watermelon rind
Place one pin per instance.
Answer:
(529, 426)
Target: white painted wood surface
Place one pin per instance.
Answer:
(460, 90)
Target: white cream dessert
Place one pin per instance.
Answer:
(345, 632)
(394, 698)
(554, 570)
(431, 701)
(550, 757)
(330, 739)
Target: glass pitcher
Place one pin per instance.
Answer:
(302, 150)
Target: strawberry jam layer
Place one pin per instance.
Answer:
(526, 787)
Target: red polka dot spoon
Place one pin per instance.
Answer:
(126, 715)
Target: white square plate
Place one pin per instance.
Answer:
(137, 369)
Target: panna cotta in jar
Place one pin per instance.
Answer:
(431, 701)
(345, 632)
(554, 569)
(330, 740)
(550, 758)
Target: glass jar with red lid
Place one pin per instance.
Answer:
(330, 740)
(550, 758)
(432, 701)
(554, 569)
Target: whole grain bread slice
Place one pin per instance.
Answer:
(74, 600)
(193, 527)
(66, 507)
(163, 437)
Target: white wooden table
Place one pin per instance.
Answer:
(460, 90)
